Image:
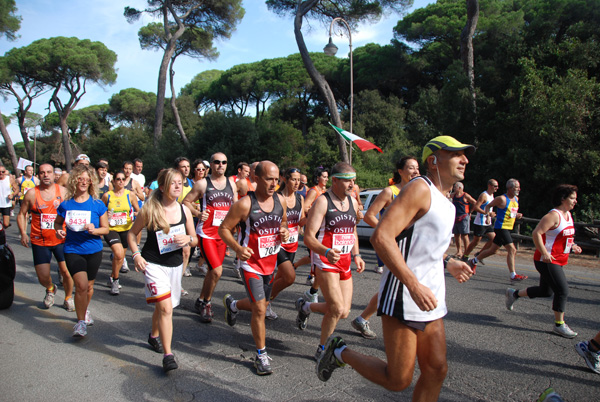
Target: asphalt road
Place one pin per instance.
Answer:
(493, 354)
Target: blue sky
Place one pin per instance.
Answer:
(261, 35)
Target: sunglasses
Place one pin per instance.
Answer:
(200, 170)
(120, 179)
(84, 181)
(216, 162)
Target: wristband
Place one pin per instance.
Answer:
(446, 261)
(135, 255)
(191, 239)
(355, 255)
(327, 251)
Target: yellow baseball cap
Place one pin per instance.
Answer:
(446, 143)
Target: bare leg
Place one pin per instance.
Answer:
(284, 278)
(43, 274)
(163, 317)
(210, 282)
(67, 280)
(510, 257)
(338, 299)
(257, 322)
(118, 257)
(83, 296)
(371, 307)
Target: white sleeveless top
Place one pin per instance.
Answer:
(5, 191)
(423, 246)
(481, 219)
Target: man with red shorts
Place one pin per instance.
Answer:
(263, 226)
(330, 234)
(216, 194)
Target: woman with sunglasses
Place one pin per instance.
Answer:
(170, 228)
(120, 203)
(286, 274)
(86, 220)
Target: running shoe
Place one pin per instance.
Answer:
(202, 269)
(124, 268)
(510, 298)
(80, 329)
(564, 331)
(302, 318)
(327, 361)
(230, 316)
(69, 304)
(472, 265)
(196, 253)
(110, 283)
(187, 271)
(519, 278)
(204, 310)
(88, 318)
(363, 328)
(310, 280)
(114, 289)
(270, 314)
(238, 272)
(262, 365)
(169, 363)
(184, 292)
(549, 395)
(379, 270)
(476, 255)
(318, 352)
(592, 359)
(155, 344)
(311, 297)
(49, 298)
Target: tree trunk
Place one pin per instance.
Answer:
(66, 142)
(9, 145)
(26, 142)
(316, 77)
(184, 138)
(466, 50)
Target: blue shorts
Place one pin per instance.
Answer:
(43, 254)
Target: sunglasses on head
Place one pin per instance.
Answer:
(216, 162)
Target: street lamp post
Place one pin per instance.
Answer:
(331, 49)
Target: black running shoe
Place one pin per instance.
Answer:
(327, 361)
(302, 318)
(169, 363)
(230, 316)
(155, 344)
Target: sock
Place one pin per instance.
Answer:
(206, 301)
(475, 260)
(153, 337)
(313, 290)
(233, 306)
(322, 347)
(261, 351)
(338, 353)
(559, 323)
(68, 297)
(360, 320)
(594, 346)
(168, 354)
(512, 275)
(306, 307)
(516, 294)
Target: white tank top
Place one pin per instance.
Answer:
(481, 219)
(5, 191)
(423, 246)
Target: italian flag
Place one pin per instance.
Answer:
(361, 143)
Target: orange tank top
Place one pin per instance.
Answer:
(43, 214)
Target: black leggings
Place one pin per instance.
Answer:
(552, 281)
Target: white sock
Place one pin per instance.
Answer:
(361, 320)
(233, 306)
(512, 275)
(338, 353)
(306, 307)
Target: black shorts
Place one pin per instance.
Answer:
(5, 211)
(114, 237)
(479, 230)
(284, 256)
(84, 263)
(43, 254)
(503, 237)
(257, 286)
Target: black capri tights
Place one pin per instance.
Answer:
(552, 281)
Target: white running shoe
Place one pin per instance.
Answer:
(270, 314)
(124, 267)
(309, 297)
(80, 329)
(187, 271)
(203, 269)
(88, 318)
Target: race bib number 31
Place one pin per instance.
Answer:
(268, 245)
(166, 242)
(77, 220)
(343, 242)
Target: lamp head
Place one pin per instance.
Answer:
(330, 49)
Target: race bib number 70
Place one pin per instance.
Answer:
(268, 245)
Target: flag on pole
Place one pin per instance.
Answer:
(23, 163)
(361, 143)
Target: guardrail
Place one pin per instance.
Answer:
(589, 242)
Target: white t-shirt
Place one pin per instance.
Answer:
(140, 178)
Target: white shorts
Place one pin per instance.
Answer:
(163, 283)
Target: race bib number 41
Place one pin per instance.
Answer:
(268, 245)
(166, 242)
(343, 242)
(77, 220)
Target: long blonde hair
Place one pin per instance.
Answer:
(74, 177)
(153, 212)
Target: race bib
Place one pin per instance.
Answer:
(569, 243)
(118, 219)
(77, 220)
(166, 242)
(47, 221)
(293, 235)
(343, 242)
(513, 212)
(218, 217)
(26, 189)
(268, 245)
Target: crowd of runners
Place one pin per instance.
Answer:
(260, 214)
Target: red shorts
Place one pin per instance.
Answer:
(344, 275)
(213, 251)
